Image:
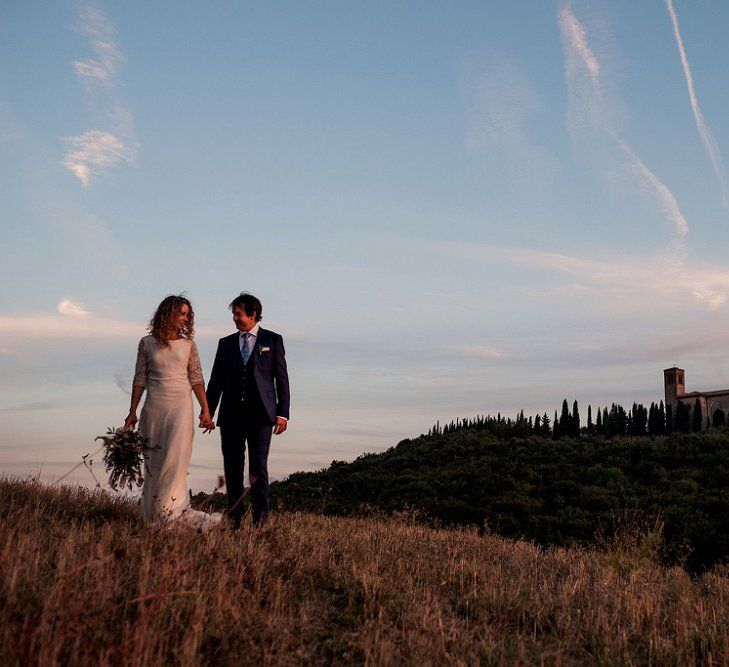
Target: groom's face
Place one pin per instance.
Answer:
(243, 321)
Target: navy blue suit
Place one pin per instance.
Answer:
(251, 396)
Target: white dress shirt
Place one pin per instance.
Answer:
(252, 337)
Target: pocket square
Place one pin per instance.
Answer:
(265, 349)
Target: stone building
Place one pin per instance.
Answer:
(714, 404)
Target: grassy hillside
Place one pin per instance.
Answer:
(556, 492)
(83, 582)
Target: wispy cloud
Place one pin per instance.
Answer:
(589, 109)
(480, 351)
(74, 320)
(72, 308)
(107, 59)
(92, 151)
(499, 101)
(41, 325)
(50, 209)
(706, 136)
(95, 150)
(660, 280)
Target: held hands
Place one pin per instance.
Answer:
(206, 422)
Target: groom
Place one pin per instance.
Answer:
(250, 381)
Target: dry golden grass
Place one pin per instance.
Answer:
(84, 582)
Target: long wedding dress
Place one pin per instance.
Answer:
(168, 374)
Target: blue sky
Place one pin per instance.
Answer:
(445, 209)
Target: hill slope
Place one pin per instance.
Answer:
(83, 582)
(555, 492)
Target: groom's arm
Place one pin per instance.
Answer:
(281, 375)
(217, 379)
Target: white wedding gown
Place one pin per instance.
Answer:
(167, 419)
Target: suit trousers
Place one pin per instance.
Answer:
(233, 440)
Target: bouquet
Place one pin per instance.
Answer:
(124, 453)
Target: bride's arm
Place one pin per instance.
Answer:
(131, 421)
(138, 385)
(197, 382)
(206, 421)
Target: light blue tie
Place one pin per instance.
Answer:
(245, 352)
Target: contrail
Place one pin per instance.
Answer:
(704, 132)
(577, 34)
(668, 201)
(581, 61)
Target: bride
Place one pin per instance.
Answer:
(168, 367)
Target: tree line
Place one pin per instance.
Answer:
(615, 421)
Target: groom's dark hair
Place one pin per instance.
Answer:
(249, 303)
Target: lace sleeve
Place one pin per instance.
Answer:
(194, 371)
(140, 370)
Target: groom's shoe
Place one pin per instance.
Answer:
(259, 518)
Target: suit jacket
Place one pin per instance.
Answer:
(269, 371)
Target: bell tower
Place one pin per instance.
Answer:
(674, 384)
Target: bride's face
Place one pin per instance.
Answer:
(183, 317)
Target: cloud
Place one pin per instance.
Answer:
(75, 327)
(32, 406)
(104, 66)
(72, 308)
(480, 351)
(52, 212)
(74, 321)
(500, 99)
(589, 110)
(659, 280)
(499, 102)
(706, 136)
(92, 152)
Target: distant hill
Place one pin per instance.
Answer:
(560, 492)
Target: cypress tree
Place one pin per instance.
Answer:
(656, 420)
(590, 428)
(652, 419)
(683, 418)
(546, 431)
(660, 419)
(668, 423)
(565, 420)
(575, 420)
(639, 419)
(698, 418)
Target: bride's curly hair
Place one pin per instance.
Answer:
(163, 325)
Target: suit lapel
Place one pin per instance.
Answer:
(261, 341)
